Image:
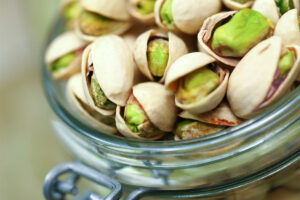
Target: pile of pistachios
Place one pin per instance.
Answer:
(145, 69)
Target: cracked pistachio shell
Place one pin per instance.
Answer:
(288, 28)
(222, 116)
(113, 9)
(113, 68)
(65, 43)
(252, 78)
(206, 33)
(188, 15)
(234, 5)
(158, 104)
(177, 48)
(268, 8)
(74, 92)
(187, 64)
(146, 19)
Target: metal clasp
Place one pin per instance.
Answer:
(54, 189)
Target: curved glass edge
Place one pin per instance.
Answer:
(276, 113)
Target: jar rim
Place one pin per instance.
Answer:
(270, 116)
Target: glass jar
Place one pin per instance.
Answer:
(242, 162)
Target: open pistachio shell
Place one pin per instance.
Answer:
(288, 28)
(187, 64)
(66, 43)
(73, 8)
(113, 68)
(157, 103)
(235, 5)
(177, 48)
(222, 116)
(77, 98)
(113, 9)
(189, 15)
(268, 8)
(251, 81)
(206, 33)
(144, 18)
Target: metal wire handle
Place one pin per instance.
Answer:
(53, 189)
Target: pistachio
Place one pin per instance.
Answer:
(94, 24)
(285, 5)
(197, 85)
(99, 97)
(137, 121)
(189, 129)
(158, 56)
(166, 14)
(63, 62)
(285, 64)
(241, 33)
(72, 11)
(242, 1)
(145, 7)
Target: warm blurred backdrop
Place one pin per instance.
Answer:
(28, 147)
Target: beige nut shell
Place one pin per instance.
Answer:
(177, 48)
(114, 9)
(65, 43)
(113, 69)
(268, 8)
(158, 104)
(251, 80)
(145, 19)
(187, 64)
(189, 15)
(222, 116)
(288, 28)
(206, 33)
(233, 5)
(75, 92)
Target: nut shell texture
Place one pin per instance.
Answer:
(177, 48)
(187, 64)
(233, 5)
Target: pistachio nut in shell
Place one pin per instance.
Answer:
(189, 129)
(198, 82)
(149, 113)
(63, 56)
(288, 28)
(268, 8)
(242, 32)
(108, 71)
(78, 101)
(221, 116)
(287, 5)
(102, 17)
(187, 16)
(142, 10)
(155, 52)
(238, 4)
(264, 75)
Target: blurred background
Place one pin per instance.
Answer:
(28, 147)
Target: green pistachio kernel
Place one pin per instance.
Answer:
(245, 29)
(158, 56)
(72, 11)
(166, 14)
(197, 85)
(242, 1)
(285, 5)
(63, 62)
(188, 129)
(146, 7)
(134, 116)
(94, 24)
(285, 63)
(99, 97)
